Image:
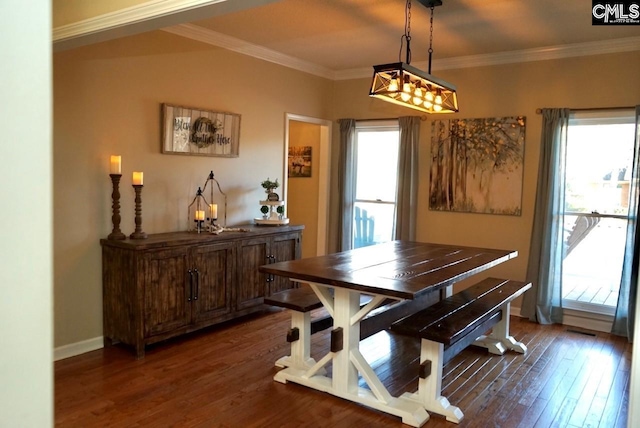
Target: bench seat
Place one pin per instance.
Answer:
(301, 299)
(459, 316)
(301, 302)
(449, 326)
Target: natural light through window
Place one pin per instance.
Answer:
(597, 172)
(376, 182)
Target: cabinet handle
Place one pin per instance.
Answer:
(195, 296)
(273, 260)
(190, 285)
(268, 279)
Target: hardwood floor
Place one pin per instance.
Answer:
(223, 377)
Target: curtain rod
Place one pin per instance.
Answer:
(539, 110)
(422, 118)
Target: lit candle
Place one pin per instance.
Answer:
(199, 215)
(137, 178)
(116, 165)
(214, 211)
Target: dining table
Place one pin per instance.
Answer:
(398, 270)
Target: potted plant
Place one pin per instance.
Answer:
(269, 187)
(264, 210)
(280, 211)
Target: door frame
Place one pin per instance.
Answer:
(323, 172)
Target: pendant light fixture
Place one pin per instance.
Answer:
(400, 83)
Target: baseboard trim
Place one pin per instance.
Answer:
(573, 318)
(77, 348)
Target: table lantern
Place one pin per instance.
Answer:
(199, 215)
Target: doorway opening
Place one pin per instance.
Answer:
(306, 186)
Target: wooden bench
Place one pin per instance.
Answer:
(454, 323)
(300, 301)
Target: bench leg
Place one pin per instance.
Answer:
(300, 349)
(499, 340)
(430, 387)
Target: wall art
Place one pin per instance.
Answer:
(477, 165)
(300, 161)
(192, 131)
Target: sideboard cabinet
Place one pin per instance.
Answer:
(175, 283)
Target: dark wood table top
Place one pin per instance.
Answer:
(400, 269)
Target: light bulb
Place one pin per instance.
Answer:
(428, 104)
(438, 99)
(417, 100)
(393, 85)
(429, 96)
(437, 107)
(406, 87)
(418, 91)
(405, 96)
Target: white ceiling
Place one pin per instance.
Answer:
(344, 35)
(342, 39)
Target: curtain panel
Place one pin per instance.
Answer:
(407, 191)
(626, 308)
(543, 303)
(346, 183)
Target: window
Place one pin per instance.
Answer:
(599, 158)
(376, 177)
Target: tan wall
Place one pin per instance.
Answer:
(107, 100)
(302, 197)
(507, 90)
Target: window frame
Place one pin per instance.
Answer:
(382, 125)
(596, 117)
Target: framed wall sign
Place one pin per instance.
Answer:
(192, 131)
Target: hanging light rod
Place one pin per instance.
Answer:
(405, 85)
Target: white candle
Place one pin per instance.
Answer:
(137, 178)
(214, 210)
(116, 164)
(199, 215)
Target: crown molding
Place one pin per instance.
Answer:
(628, 44)
(204, 35)
(134, 14)
(538, 54)
(144, 14)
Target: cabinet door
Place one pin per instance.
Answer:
(166, 291)
(252, 285)
(284, 247)
(212, 267)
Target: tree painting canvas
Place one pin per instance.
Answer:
(477, 165)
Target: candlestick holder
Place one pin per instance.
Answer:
(138, 233)
(116, 233)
